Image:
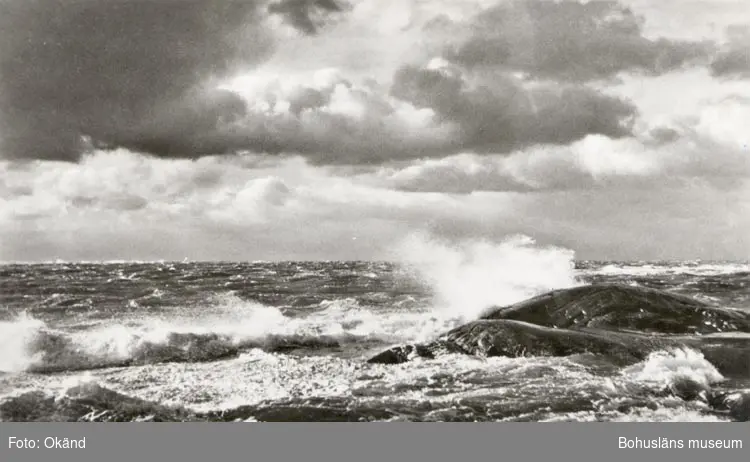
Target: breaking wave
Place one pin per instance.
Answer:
(232, 326)
(668, 367)
(468, 277)
(682, 372)
(420, 392)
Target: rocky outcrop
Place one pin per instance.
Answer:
(517, 338)
(623, 307)
(623, 324)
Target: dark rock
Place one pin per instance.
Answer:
(186, 347)
(689, 389)
(739, 409)
(32, 406)
(516, 338)
(503, 337)
(401, 354)
(612, 306)
(731, 356)
(285, 344)
(735, 404)
(404, 353)
(328, 409)
(87, 403)
(621, 324)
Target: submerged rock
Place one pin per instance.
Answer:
(620, 307)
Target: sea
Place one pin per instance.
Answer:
(288, 341)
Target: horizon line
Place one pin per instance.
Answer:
(187, 260)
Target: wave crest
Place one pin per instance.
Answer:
(683, 372)
(222, 330)
(50, 351)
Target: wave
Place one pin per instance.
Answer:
(92, 402)
(58, 352)
(683, 372)
(469, 276)
(46, 351)
(223, 330)
(489, 273)
(452, 388)
(89, 401)
(668, 268)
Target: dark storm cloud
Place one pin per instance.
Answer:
(142, 74)
(500, 115)
(734, 60)
(303, 14)
(132, 73)
(568, 40)
(192, 125)
(343, 123)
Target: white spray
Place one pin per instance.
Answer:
(473, 275)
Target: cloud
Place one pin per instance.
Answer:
(333, 120)
(152, 78)
(115, 74)
(236, 206)
(498, 114)
(305, 15)
(428, 111)
(587, 164)
(119, 204)
(567, 40)
(734, 59)
(689, 21)
(461, 174)
(135, 73)
(711, 147)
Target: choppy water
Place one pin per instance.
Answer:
(288, 341)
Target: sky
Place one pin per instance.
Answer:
(340, 129)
